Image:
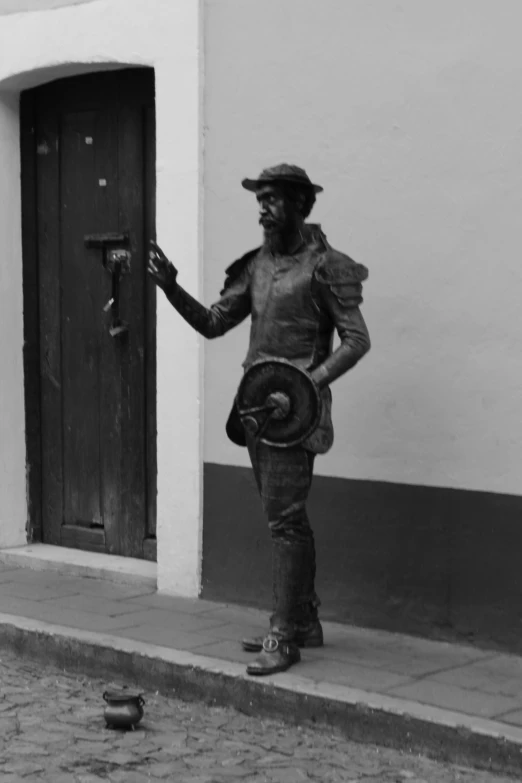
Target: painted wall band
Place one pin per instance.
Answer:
(438, 562)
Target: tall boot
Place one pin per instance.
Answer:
(280, 651)
(309, 632)
(308, 629)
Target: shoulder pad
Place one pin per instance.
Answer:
(336, 267)
(343, 276)
(236, 269)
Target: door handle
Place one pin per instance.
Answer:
(116, 260)
(114, 250)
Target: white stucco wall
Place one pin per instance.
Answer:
(13, 503)
(64, 41)
(21, 6)
(408, 114)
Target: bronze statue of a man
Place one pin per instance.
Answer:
(298, 290)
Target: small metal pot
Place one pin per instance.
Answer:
(123, 710)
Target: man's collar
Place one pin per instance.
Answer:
(310, 233)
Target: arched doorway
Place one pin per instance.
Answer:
(88, 205)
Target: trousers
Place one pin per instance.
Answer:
(284, 478)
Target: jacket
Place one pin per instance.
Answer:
(296, 302)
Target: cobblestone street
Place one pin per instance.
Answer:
(52, 729)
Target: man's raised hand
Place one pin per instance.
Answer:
(160, 269)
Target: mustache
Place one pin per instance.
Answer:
(267, 222)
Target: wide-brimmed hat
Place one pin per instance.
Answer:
(283, 172)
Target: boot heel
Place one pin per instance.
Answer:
(312, 636)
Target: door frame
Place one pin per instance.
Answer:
(31, 321)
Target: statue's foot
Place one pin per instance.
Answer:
(305, 636)
(276, 656)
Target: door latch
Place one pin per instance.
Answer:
(106, 240)
(118, 257)
(117, 261)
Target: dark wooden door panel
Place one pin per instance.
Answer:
(130, 86)
(150, 310)
(95, 159)
(89, 155)
(50, 369)
(133, 441)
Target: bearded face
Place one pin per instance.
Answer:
(279, 216)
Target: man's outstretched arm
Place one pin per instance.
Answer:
(214, 321)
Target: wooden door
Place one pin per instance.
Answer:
(88, 165)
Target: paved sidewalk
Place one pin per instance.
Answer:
(455, 702)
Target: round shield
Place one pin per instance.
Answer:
(278, 403)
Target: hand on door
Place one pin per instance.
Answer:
(161, 270)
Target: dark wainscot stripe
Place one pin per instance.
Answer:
(441, 563)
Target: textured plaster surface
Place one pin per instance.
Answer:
(406, 113)
(94, 36)
(22, 6)
(13, 505)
